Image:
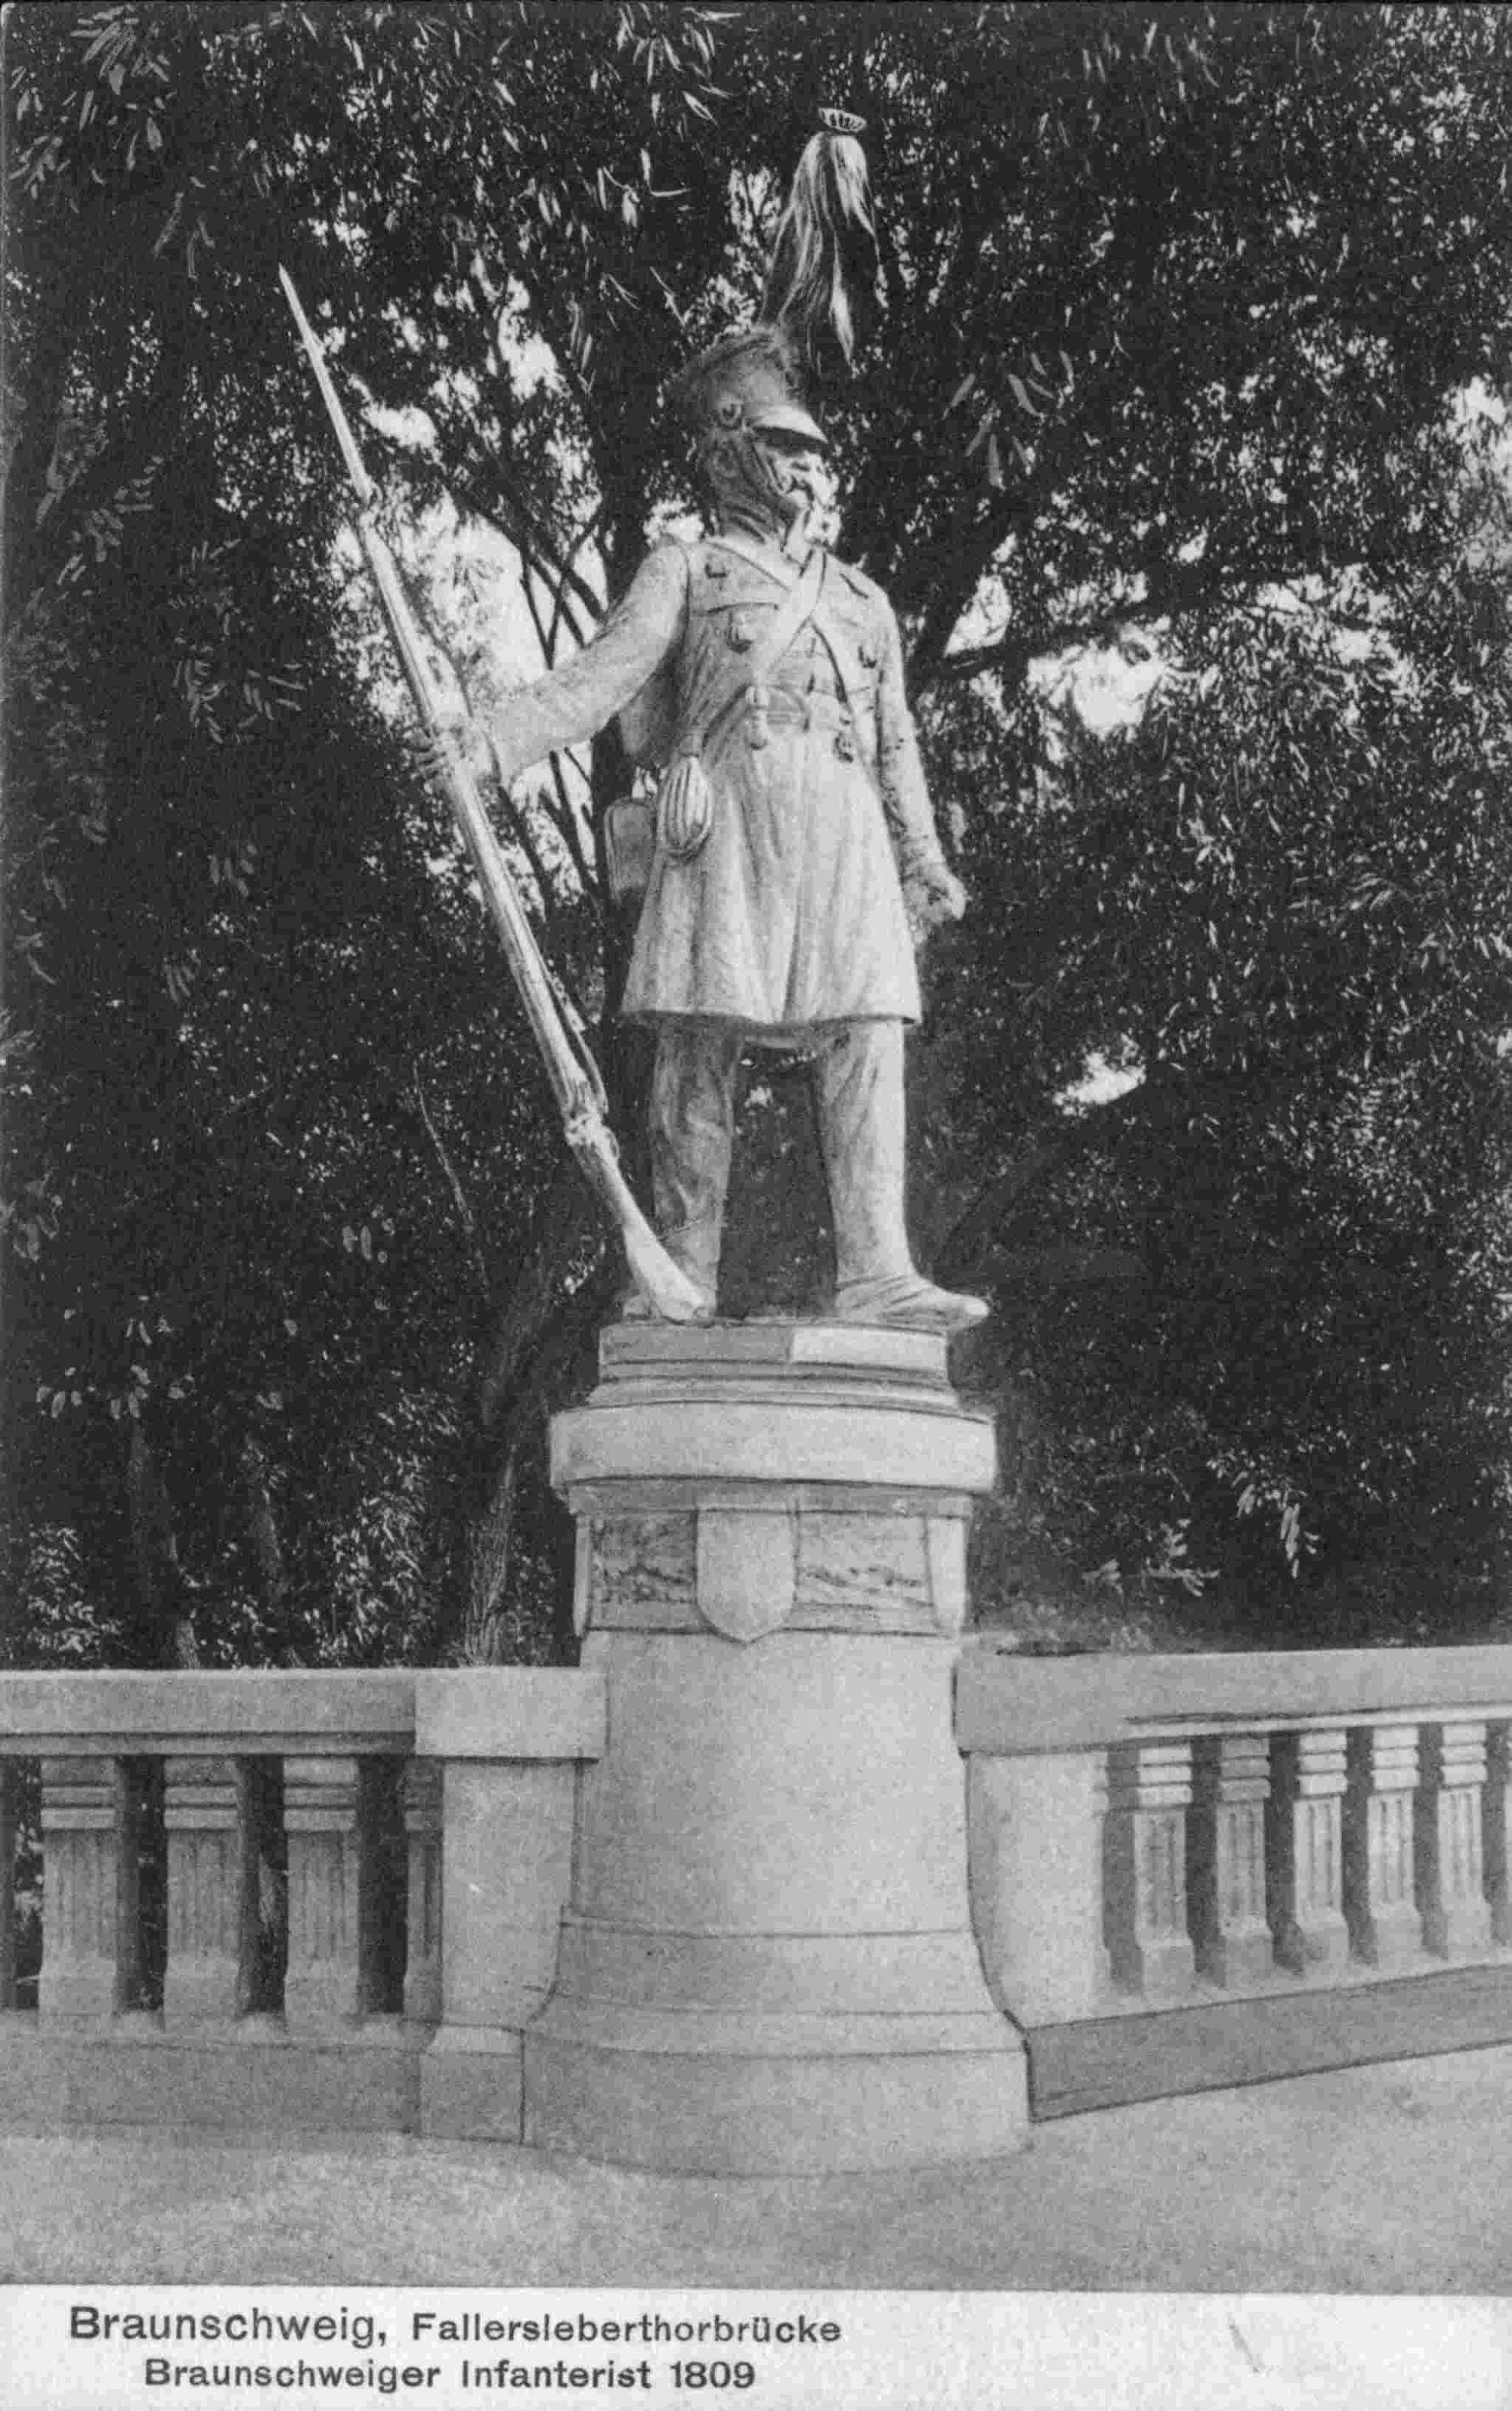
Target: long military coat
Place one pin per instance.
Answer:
(792, 912)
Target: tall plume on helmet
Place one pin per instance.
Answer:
(822, 268)
(824, 265)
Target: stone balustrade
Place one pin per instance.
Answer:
(348, 1900)
(1191, 1871)
(346, 1865)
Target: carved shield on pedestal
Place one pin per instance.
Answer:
(747, 1570)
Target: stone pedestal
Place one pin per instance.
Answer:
(767, 1962)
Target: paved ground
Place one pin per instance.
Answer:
(1391, 2179)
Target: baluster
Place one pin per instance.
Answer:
(423, 1824)
(212, 1899)
(1497, 1830)
(91, 1929)
(1451, 1883)
(1306, 1852)
(1226, 1872)
(1149, 1792)
(9, 1828)
(326, 1985)
(1379, 1850)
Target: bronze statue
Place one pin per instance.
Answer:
(795, 856)
(795, 860)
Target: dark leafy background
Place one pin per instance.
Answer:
(1180, 303)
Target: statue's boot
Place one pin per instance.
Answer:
(858, 1087)
(910, 1300)
(691, 1121)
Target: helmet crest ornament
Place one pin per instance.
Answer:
(821, 268)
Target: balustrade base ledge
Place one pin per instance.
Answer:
(1139, 2054)
(231, 2081)
(473, 2085)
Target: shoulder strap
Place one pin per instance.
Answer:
(782, 631)
(830, 625)
(837, 637)
(788, 623)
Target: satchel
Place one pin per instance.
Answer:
(629, 843)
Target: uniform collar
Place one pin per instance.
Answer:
(769, 557)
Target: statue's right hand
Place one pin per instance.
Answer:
(455, 737)
(931, 894)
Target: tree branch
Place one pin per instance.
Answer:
(1180, 588)
(968, 562)
(562, 614)
(564, 1223)
(1012, 654)
(559, 612)
(262, 1529)
(521, 824)
(531, 539)
(1048, 1150)
(564, 818)
(571, 1328)
(489, 1550)
(459, 1197)
(161, 1585)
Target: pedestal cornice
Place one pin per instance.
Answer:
(779, 1403)
(753, 1477)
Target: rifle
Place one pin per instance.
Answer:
(575, 1078)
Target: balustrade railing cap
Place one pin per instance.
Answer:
(1009, 1705)
(506, 1713)
(246, 1712)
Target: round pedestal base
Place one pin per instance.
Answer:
(768, 1965)
(675, 2098)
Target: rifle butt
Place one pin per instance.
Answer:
(664, 1285)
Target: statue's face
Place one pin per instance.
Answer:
(796, 468)
(769, 477)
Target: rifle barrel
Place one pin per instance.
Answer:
(574, 1075)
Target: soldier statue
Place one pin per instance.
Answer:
(795, 861)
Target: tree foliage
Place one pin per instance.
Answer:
(1182, 307)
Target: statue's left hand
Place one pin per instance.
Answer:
(931, 894)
